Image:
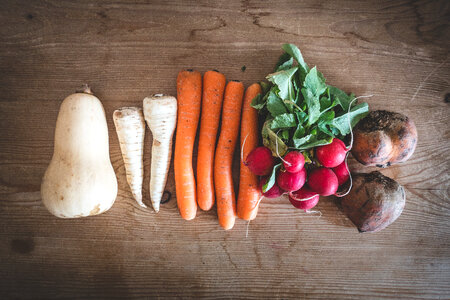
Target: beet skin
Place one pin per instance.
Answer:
(374, 202)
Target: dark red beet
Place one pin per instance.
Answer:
(293, 161)
(374, 202)
(260, 161)
(341, 172)
(323, 181)
(274, 191)
(291, 181)
(297, 198)
(331, 155)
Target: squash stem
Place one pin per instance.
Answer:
(86, 89)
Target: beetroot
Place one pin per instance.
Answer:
(332, 155)
(293, 162)
(274, 191)
(260, 161)
(304, 198)
(291, 181)
(374, 203)
(342, 173)
(323, 181)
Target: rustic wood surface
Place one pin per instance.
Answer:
(396, 50)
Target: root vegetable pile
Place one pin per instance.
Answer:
(305, 124)
(306, 136)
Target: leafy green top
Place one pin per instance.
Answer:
(301, 111)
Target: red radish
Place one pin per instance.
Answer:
(274, 191)
(304, 198)
(291, 181)
(332, 155)
(323, 181)
(342, 173)
(294, 161)
(260, 161)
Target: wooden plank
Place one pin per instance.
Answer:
(395, 50)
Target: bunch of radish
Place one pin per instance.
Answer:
(302, 182)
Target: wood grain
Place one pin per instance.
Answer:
(127, 51)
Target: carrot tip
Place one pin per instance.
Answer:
(206, 207)
(188, 218)
(228, 227)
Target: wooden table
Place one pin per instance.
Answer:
(395, 50)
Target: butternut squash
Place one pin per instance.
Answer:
(80, 180)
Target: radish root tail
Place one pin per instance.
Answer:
(300, 199)
(307, 211)
(256, 206)
(314, 212)
(246, 231)
(349, 177)
(350, 123)
(242, 150)
(257, 203)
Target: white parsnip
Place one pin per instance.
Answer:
(160, 112)
(130, 127)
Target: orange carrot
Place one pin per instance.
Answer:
(249, 194)
(223, 181)
(189, 94)
(213, 88)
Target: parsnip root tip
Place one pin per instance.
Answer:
(139, 201)
(156, 206)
